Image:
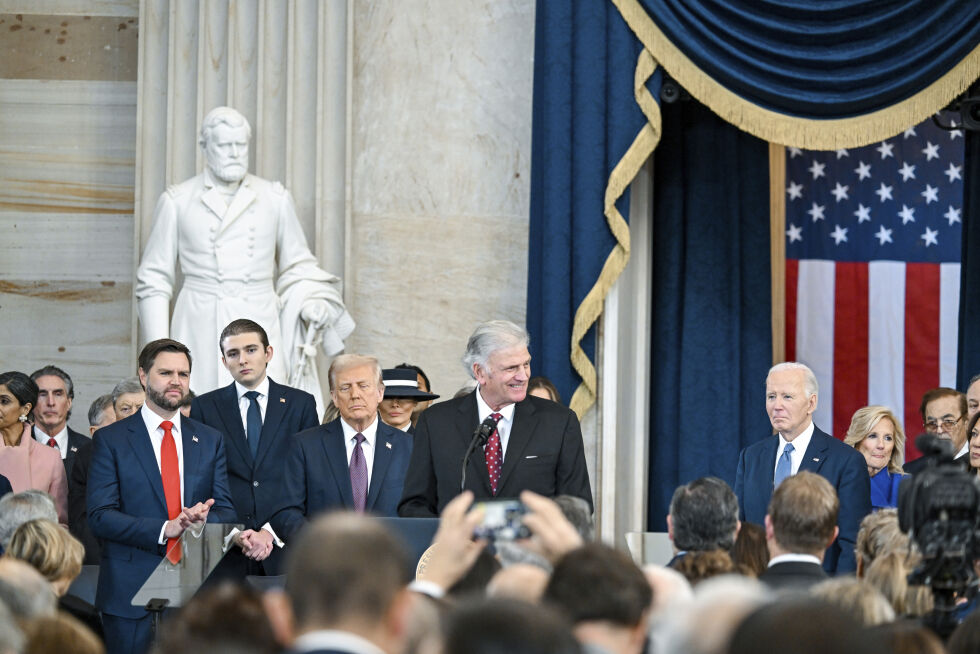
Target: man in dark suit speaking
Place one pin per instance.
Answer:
(258, 418)
(535, 444)
(791, 399)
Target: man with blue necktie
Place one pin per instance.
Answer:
(791, 399)
(257, 417)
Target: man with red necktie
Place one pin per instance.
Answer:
(535, 444)
(152, 475)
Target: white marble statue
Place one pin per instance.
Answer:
(242, 254)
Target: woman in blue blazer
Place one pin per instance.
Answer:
(877, 433)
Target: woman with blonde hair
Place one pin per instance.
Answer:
(49, 549)
(876, 433)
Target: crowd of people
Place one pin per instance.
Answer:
(809, 532)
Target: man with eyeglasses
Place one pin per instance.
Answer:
(944, 415)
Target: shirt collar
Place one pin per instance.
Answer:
(483, 409)
(152, 420)
(41, 436)
(790, 558)
(801, 442)
(370, 432)
(331, 639)
(262, 388)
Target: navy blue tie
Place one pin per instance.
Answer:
(784, 467)
(253, 422)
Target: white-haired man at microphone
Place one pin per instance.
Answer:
(532, 444)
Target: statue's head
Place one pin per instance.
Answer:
(225, 134)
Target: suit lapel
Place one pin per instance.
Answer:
(767, 463)
(815, 452)
(275, 409)
(192, 458)
(520, 435)
(139, 441)
(231, 417)
(214, 201)
(243, 197)
(335, 450)
(467, 420)
(382, 458)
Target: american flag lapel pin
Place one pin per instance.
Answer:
(194, 438)
(816, 460)
(74, 449)
(282, 399)
(388, 445)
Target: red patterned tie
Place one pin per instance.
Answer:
(170, 471)
(494, 455)
(52, 443)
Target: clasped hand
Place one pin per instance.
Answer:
(256, 545)
(195, 515)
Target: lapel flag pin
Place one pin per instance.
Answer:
(816, 460)
(74, 449)
(388, 445)
(282, 399)
(194, 438)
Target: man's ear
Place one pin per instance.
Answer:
(670, 528)
(834, 537)
(770, 534)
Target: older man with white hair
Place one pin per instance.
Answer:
(531, 444)
(791, 399)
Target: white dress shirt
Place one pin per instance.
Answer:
(152, 422)
(243, 402)
(793, 558)
(800, 443)
(61, 438)
(331, 639)
(370, 434)
(504, 425)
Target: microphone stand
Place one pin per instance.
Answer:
(480, 436)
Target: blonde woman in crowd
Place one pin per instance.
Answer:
(876, 433)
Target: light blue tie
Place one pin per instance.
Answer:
(784, 468)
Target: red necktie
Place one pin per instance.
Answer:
(495, 456)
(52, 443)
(170, 471)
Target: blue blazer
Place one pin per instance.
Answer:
(318, 477)
(841, 465)
(257, 486)
(127, 507)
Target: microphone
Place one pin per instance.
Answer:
(480, 436)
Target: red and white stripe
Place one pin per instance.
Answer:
(891, 336)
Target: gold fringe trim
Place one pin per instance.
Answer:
(619, 180)
(789, 130)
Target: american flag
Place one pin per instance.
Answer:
(873, 272)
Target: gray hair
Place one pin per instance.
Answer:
(578, 512)
(18, 508)
(55, 371)
(347, 361)
(222, 116)
(131, 385)
(96, 412)
(704, 515)
(809, 379)
(25, 591)
(490, 336)
(11, 638)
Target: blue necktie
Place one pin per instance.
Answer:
(784, 468)
(253, 422)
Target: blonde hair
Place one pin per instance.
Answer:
(49, 548)
(60, 633)
(880, 534)
(347, 361)
(857, 597)
(863, 423)
(889, 574)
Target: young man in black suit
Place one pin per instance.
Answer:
(257, 417)
(800, 525)
(535, 445)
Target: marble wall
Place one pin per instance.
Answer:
(67, 136)
(441, 151)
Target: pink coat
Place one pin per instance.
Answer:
(32, 465)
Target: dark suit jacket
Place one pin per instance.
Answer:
(318, 477)
(842, 465)
(5, 486)
(793, 574)
(545, 454)
(77, 444)
(257, 486)
(77, 509)
(127, 507)
(914, 467)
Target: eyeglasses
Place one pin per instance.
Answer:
(947, 423)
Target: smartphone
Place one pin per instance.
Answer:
(502, 520)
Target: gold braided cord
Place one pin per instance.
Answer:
(620, 178)
(791, 130)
